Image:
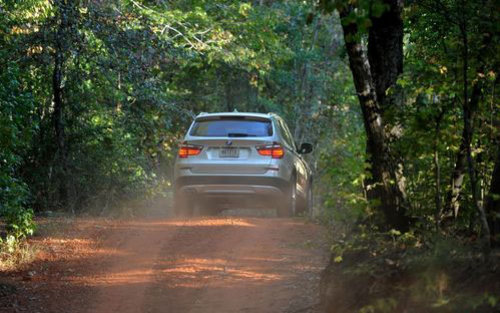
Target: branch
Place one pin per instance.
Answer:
(444, 13)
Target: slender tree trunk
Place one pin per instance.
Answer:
(228, 93)
(470, 107)
(305, 94)
(57, 89)
(452, 205)
(383, 170)
(493, 203)
(437, 169)
(468, 131)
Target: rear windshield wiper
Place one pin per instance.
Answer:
(239, 135)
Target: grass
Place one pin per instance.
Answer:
(16, 254)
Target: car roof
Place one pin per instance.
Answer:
(208, 116)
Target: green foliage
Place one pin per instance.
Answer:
(15, 132)
(134, 74)
(434, 88)
(344, 162)
(451, 58)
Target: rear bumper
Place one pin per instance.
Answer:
(227, 186)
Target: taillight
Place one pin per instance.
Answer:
(275, 150)
(186, 150)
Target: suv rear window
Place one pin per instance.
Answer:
(232, 127)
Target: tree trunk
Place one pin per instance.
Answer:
(385, 54)
(57, 89)
(383, 171)
(437, 169)
(385, 50)
(468, 131)
(305, 91)
(64, 39)
(470, 105)
(457, 178)
(453, 197)
(493, 203)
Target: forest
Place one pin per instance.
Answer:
(399, 99)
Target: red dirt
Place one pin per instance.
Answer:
(217, 264)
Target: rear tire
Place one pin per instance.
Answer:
(288, 207)
(309, 201)
(306, 204)
(183, 206)
(207, 209)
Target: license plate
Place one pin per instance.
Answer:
(229, 153)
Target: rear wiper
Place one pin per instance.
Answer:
(238, 135)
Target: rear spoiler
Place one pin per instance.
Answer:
(232, 117)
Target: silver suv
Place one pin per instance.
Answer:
(236, 160)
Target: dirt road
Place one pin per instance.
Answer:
(210, 264)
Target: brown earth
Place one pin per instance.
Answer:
(205, 264)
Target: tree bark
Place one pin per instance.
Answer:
(468, 131)
(385, 49)
(385, 54)
(471, 105)
(383, 169)
(457, 178)
(60, 47)
(493, 203)
(437, 168)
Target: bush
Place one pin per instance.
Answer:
(15, 137)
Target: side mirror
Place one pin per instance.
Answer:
(305, 148)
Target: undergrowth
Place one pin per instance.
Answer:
(379, 272)
(15, 253)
